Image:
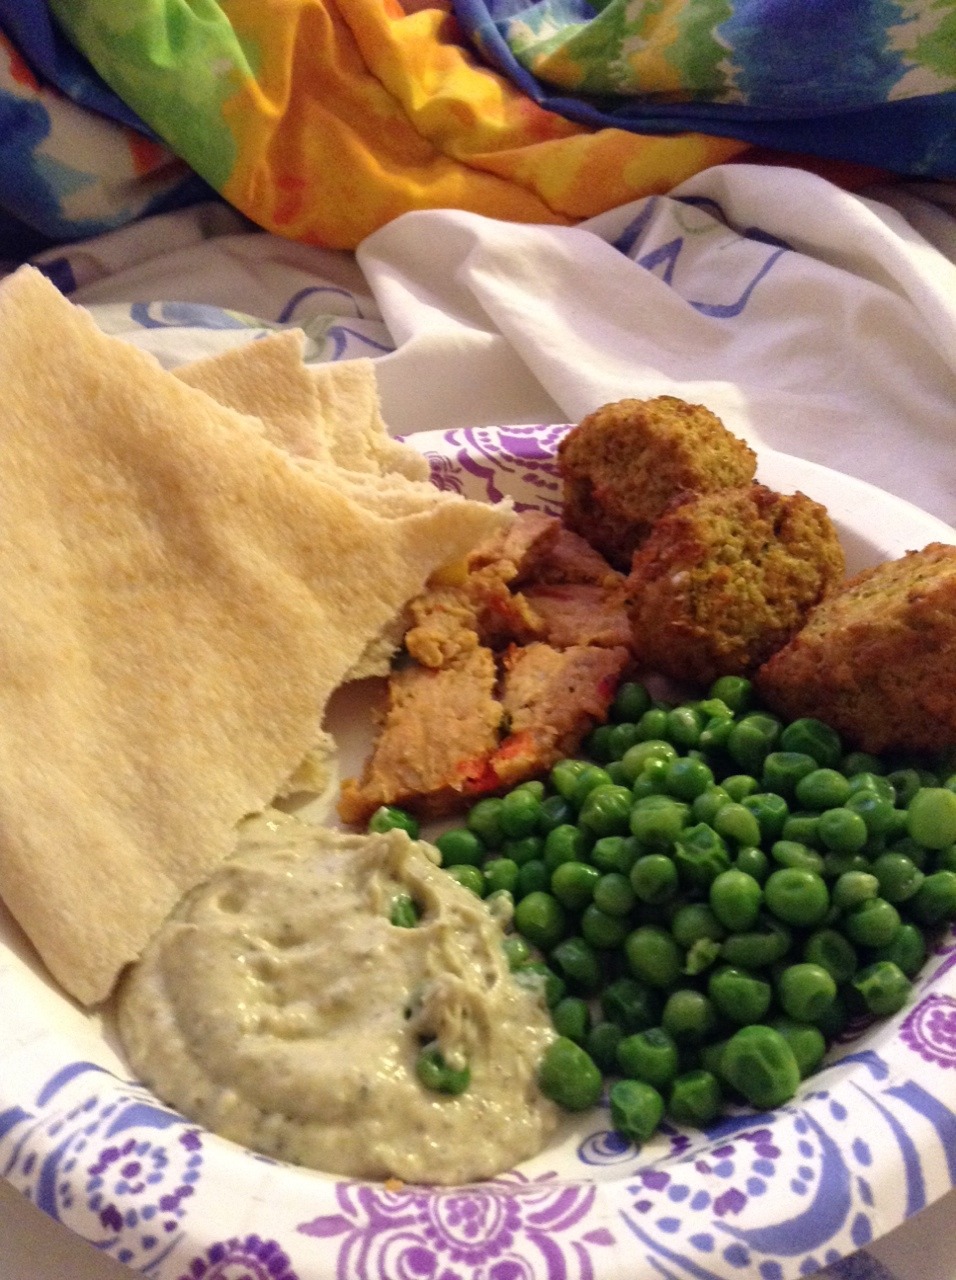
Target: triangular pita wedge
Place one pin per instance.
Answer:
(180, 598)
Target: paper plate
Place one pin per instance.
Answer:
(870, 1139)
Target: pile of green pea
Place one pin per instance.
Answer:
(706, 901)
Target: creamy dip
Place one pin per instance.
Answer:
(281, 1008)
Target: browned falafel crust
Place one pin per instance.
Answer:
(726, 578)
(877, 658)
(623, 463)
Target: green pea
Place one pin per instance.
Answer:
(752, 860)
(650, 781)
(802, 828)
(905, 784)
(705, 807)
(877, 812)
(758, 948)
(601, 1044)
(555, 811)
(833, 952)
(468, 877)
(866, 780)
(761, 1065)
(606, 932)
(838, 864)
(842, 830)
(714, 735)
(853, 887)
(806, 1040)
(533, 877)
(500, 873)
(636, 758)
(404, 913)
(606, 809)
(621, 737)
(796, 854)
(835, 1018)
(805, 991)
(738, 823)
(519, 813)
(906, 949)
(684, 725)
(632, 1005)
(588, 779)
(872, 924)
(389, 818)
(572, 1018)
(688, 1016)
(822, 789)
(695, 1099)
(573, 884)
(653, 956)
(527, 849)
(652, 725)
(613, 894)
(544, 982)
(651, 1056)
(783, 770)
(484, 819)
(687, 778)
(654, 878)
(564, 776)
(568, 1076)
(736, 692)
(945, 859)
(735, 899)
(935, 900)
(636, 1109)
(931, 817)
(815, 739)
(460, 847)
(541, 918)
(700, 956)
(739, 995)
(566, 843)
(535, 786)
(752, 739)
(771, 812)
(861, 762)
(693, 921)
(577, 962)
(701, 855)
(739, 785)
(899, 878)
(884, 987)
(797, 896)
(657, 821)
(597, 745)
(630, 702)
(517, 952)
(614, 853)
(437, 1075)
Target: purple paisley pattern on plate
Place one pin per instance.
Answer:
(511, 1229)
(250, 1258)
(868, 1142)
(930, 1030)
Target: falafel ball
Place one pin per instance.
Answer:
(877, 658)
(726, 578)
(623, 463)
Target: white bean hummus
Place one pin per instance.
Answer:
(281, 1008)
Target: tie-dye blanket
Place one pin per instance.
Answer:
(872, 81)
(324, 119)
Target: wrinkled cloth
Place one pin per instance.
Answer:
(872, 81)
(74, 160)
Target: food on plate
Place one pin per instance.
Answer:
(725, 578)
(339, 1002)
(510, 662)
(623, 463)
(878, 656)
(181, 598)
(707, 896)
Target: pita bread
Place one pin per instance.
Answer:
(181, 597)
